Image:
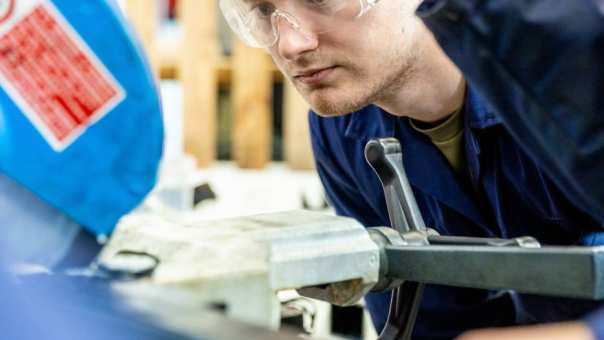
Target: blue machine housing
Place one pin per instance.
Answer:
(110, 168)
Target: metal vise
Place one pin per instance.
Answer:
(412, 255)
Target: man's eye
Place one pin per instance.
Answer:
(265, 8)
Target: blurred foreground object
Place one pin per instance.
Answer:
(80, 122)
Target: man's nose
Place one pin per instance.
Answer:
(294, 42)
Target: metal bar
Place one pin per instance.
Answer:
(561, 271)
(442, 240)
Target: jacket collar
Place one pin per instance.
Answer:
(478, 116)
(419, 154)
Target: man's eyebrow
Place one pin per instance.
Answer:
(247, 2)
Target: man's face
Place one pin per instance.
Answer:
(356, 63)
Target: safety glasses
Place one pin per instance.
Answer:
(257, 22)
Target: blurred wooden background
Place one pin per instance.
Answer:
(205, 58)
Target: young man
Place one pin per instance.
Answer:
(371, 69)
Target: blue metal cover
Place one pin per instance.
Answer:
(80, 119)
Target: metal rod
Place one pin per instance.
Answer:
(559, 271)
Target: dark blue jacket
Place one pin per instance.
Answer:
(540, 65)
(507, 195)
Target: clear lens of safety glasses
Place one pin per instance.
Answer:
(256, 21)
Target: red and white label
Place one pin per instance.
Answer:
(51, 74)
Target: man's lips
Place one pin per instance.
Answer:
(314, 76)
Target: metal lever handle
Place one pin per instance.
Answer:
(386, 159)
(404, 306)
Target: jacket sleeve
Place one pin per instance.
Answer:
(540, 65)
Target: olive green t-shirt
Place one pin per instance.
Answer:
(447, 136)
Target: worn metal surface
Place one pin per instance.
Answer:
(561, 271)
(189, 313)
(243, 262)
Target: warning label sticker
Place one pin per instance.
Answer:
(51, 74)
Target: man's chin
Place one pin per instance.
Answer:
(328, 104)
(331, 108)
